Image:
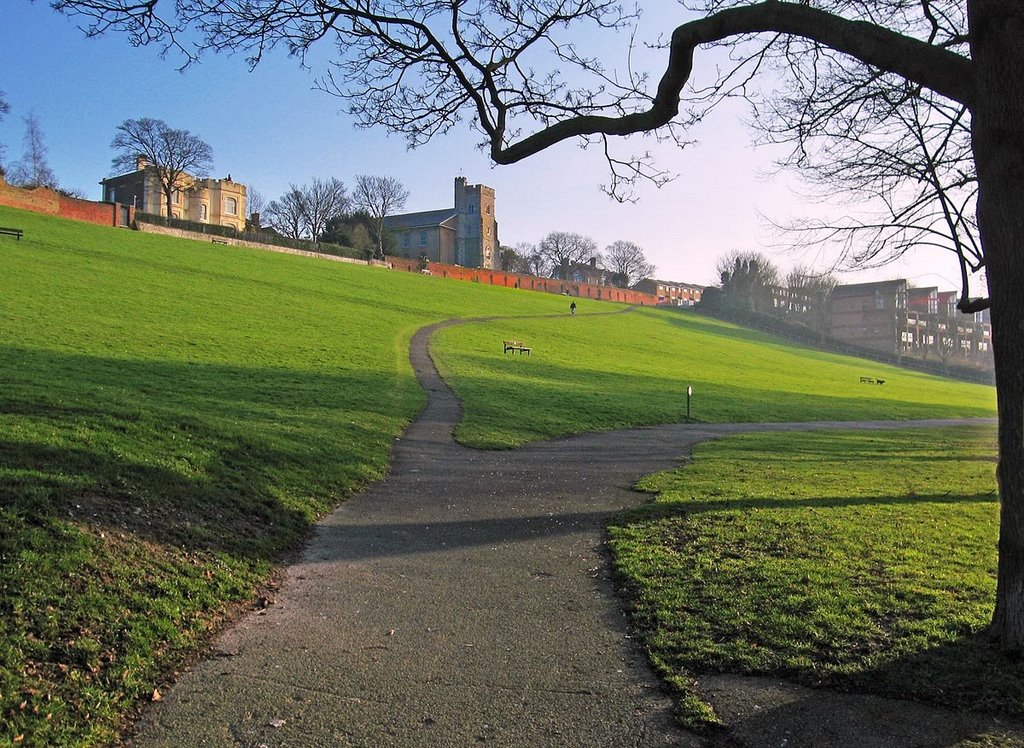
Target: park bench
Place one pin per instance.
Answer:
(515, 345)
(871, 380)
(16, 233)
(219, 241)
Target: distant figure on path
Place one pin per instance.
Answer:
(572, 309)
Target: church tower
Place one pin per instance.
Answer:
(476, 242)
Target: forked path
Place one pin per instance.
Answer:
(464, 599)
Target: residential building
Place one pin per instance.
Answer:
(588, 272)
(869, 314)
(892, 317)
(670, 293)
(220, 202)
(466, 234)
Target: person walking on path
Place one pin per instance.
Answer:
(572, 309)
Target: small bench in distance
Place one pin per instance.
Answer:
(16, 233)
(515, 345)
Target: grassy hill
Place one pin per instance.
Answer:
(174, 415)
(616, 370)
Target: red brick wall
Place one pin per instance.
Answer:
(527, 282)
(44, 200)
(105, 214)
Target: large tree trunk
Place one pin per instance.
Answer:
(997, 48)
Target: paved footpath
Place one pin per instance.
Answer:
(463, 600)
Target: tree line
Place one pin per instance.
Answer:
(33, 168)
(325, 210)
(751, 282)
(624, 262)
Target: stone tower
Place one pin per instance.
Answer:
(476, 243)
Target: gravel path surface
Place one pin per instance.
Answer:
(465, 600)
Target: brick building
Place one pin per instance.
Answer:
(466, 234)
(670, 293)
(892, 317)
(221, 202)
(587, 272)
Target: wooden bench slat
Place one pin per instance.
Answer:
(515, 345)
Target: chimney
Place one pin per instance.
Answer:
(141, 162)
(593, 262)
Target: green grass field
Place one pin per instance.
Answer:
(609, 371)
(859, 561)
(175, 414)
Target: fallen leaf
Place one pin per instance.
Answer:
(277, 722)
(156, 695)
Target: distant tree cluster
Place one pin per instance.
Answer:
(750, 282)
(555, 255)
(325, 211)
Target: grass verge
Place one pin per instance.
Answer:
(858, 561)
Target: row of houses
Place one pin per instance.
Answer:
(892, 317)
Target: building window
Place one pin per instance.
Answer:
(231, 206)
(423, 238)
(203, 212)
(177, 197)
(405, 240)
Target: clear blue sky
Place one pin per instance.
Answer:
(269, 127)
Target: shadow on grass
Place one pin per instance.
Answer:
(969, 672)
(602, 400)
(213, 457)
(923, 643)
(676, 508)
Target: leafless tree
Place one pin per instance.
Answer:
(560, 249)
(322, 200)
(177, 156)
(512, 261)
(5, 109)
(534, 262)
(813, 292)
(256, 205)
(418, 68)
(379, 197)
(287, 215)
(747, 280)
(627, 263)
(33, 170)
